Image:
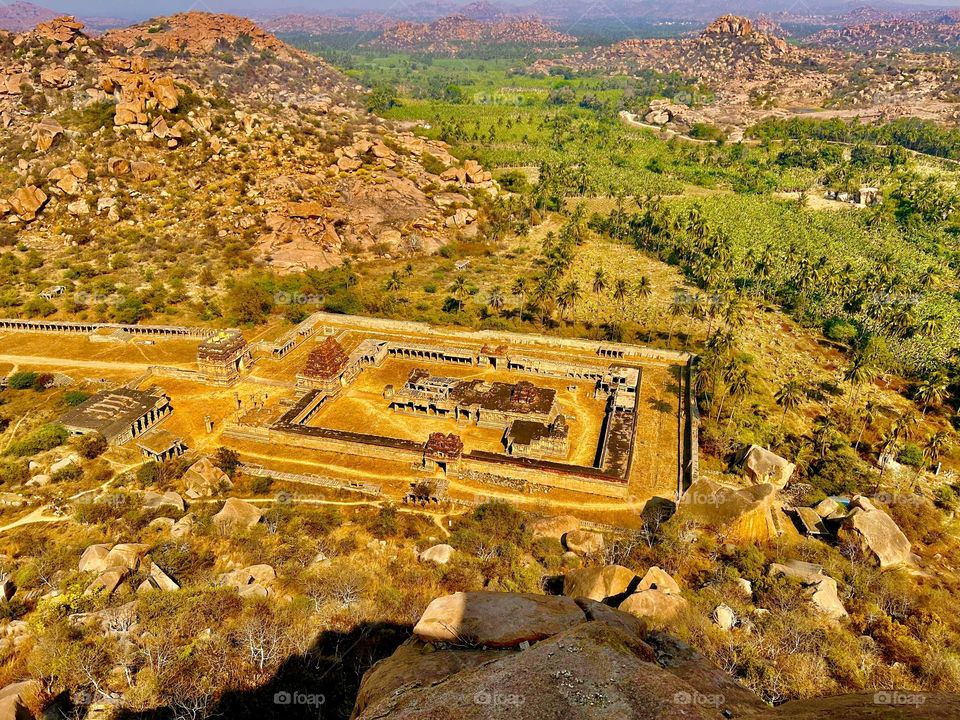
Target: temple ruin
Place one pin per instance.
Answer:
(222, 357)
(119, 415)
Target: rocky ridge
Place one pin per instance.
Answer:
(749, 74)
(446, 35)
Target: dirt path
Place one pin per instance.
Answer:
(61, 362)
(37, 516)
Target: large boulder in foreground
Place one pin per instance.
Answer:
(602, 667)
(496, 619)
(18, 699)
(237, 516)
(876, 534)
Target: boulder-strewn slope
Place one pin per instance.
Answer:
(208, 133)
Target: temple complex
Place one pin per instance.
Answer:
(442, 452)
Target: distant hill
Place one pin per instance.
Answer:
(21, 16)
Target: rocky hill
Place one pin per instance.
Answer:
(751, 74)
(938, 34)
(448, 34)
(206, 132)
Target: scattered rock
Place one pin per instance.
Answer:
(27, 201)
(583, 542)
(438, 554)
(724, 617)
(237, 516)
(154, 500)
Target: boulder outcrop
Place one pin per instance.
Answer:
(763, 466)
(600, 583)
(236, 516)
(496, 619)
(875, 533)
(747, 514)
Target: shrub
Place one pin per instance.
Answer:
(75, 397)
(91, 445)
(22, 380)
(41, 439)
(227, 460)
(911, 455)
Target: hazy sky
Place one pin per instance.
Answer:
(149, 8)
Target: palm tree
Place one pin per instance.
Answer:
(520, 290)
(599, 281)
(789, 396)
(932, 391)
(496, 299)
(621, 291)
(394, 282)
(678, 308)
(570, 295)
(860, 372)
(824, 434)
(871, 411)
(937, 444)
(459, 289)
(644, 289)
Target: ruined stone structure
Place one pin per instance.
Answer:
(159, 445)
(222, 357)
(324, 369)
(443, 452)
(485, 404)
(119, 415)
(87, 328)
(529, 438)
